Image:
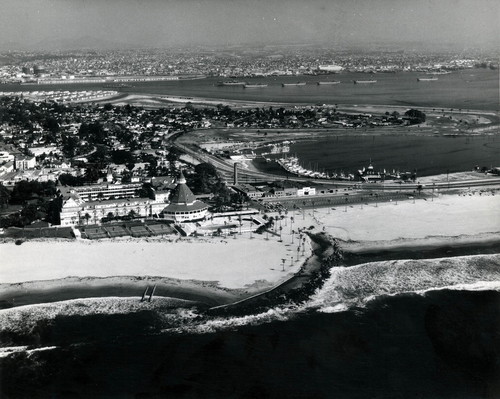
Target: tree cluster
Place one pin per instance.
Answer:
(415, 116)
(38, 201)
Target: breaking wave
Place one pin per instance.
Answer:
(354, 286)
(26, 320)
(345, 289)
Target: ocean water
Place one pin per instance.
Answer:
(377, 330)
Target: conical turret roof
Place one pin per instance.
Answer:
(182, 194)
(184, 201)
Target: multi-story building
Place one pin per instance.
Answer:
(23, 162)
(91, 204)
(103, 191)
(76, 212)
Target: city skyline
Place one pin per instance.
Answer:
(53, 24)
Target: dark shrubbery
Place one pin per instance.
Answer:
(415, 116)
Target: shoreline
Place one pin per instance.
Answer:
(223, 300)
(426, 243)
(127, 267)
(71, 288)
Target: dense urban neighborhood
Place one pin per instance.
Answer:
(48, 147)
(71, 66)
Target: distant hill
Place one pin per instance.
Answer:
(85, 42)
(81, 43)
(11, 46)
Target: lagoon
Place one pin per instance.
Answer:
(428, 155)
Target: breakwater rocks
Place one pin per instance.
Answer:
(298, 288)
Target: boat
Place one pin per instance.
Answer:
(254, 85)
(232, 83)
(117, 86)
(364, 81)
(292, 165)
(368, 174)
(427, 79)
(293, 84)
(330, 82)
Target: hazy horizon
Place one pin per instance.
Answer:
(167, 23)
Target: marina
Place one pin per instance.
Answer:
(292, 165)
(395, 156)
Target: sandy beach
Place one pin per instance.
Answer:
(233, 263)
(221, 270)
(422, 219)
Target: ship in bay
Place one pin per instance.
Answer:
(330, 82)
(293, 84)
(254, 85)
(427, 79)
(365, 81)
(231, 83)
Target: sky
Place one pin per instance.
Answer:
(165, 23)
